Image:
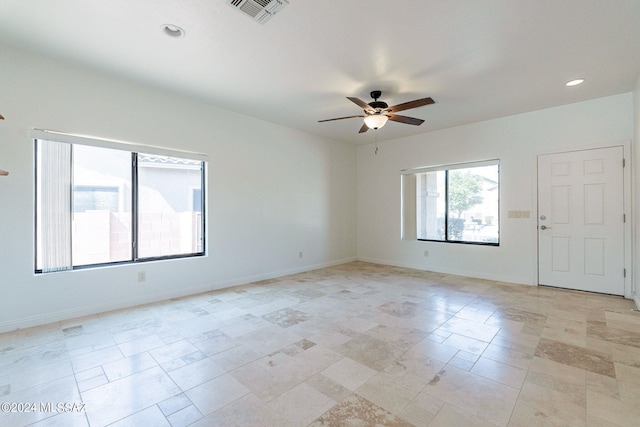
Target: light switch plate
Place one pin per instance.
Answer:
(519, 214)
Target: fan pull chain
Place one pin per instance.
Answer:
(375, 136)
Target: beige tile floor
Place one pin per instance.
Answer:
(357, 344)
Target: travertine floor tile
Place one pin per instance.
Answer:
(422, 410)
(184, 417)
(507, 356)
(349, 373)
(127, 366)
(505, 374)
(216, 393)
(148, 417)
(21, 379)
(369, 351)
(60, 390)
(140, 345)
(466, 344)
(470, 329)
(578, 357)
(452, 416)
(391, 392)
(628, 379)
(615, 411)
(246, 411)
(568, 380)
(540, 405)
(196, 373)
(124, 397)
(358, 411)
(302, 404)
(473, 393)
(355, 344)
(329, 387)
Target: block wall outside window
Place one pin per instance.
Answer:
(124, 206)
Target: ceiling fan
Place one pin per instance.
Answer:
(377, 113)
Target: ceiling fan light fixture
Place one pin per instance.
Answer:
(375, 121)
(377, 113)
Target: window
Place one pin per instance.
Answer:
(169, 217)
(458, 203)
(98, 205)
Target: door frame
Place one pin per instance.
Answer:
(627, 207)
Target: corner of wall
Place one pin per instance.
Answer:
(635, 204)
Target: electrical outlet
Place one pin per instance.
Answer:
(426, 253)
(142, 276)
(300, 254)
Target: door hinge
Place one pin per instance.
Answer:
(624, 162)
(624, 217)
(624, 272)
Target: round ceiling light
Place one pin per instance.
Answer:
(575, 82)
(376, 121)
(173, 30)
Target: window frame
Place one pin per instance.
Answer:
(409, 201)
(134, 150)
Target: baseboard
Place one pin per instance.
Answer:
(243, 280)
(495, 277)
(636, 299)
(63, 315)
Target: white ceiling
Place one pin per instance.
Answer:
(479, 59)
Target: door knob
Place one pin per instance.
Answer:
(544, 227)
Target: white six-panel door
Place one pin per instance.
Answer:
(581, 220)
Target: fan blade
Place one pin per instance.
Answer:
(411, 104)
(405, 119)
(338, 118)
(360, 103)
(364, 128)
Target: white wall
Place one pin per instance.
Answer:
(516, 141)
(272, 191)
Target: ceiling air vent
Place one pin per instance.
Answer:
(259, 10)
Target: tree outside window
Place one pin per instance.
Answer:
(462, 201)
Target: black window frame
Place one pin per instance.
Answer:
(446, 169)
(135, 259)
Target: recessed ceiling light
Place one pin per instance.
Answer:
(173, 30)
(574, 82)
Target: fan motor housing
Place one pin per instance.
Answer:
(378, 104)
(375, 104)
